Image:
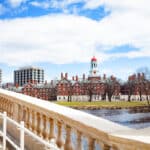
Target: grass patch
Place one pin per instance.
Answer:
(121, 104)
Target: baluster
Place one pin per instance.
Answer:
(106, 147)
(114, 147)
(19, 114)
(91, 143)
(11, 110)
(39, 124)
(10, 105)
(51, 132)
(79, 142)
(33, 122)
(47, 132)
(59, 141)
(3, 103)
(44, 130)
(25, 116)
(68, 142)
(28, 117)
(6, 105)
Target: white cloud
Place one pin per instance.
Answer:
(44, 4)
(2, 9)
(48, 38)
(69, 38)
(55, 4)
(92, 4)
(16, 3)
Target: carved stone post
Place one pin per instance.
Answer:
(114, 147)
(33, 121)
(8, 107)
(59, 141)
(91, 144)
(68, 143)
(15, 112)
(39, 124)
(79, 142)
(106, 147)
(51, 132)
(44, 130)
(2, 105)
(11, 110)
(24, 115)
(28, 117)
(19, 114)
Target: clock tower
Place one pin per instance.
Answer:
(94, 67)
(93, 74)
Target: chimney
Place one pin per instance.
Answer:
(66, 75)
(17, 85)
(52, 82)
(76, 78)
(129, 78)
(143, 75)
(73, 78)
(83, 76)
(104, 77)
(36, 81)
(45, 82)
(111, 77)
(139, 75)
(100, 77)
(61, 76)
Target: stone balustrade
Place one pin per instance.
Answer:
(70, 129)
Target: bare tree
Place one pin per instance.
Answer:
(144, 70)
(90, 90)
(144, 82)
(139, 82)
(70, 92)
(130, 87)
(111, 85)
(146, 89)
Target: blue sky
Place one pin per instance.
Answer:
(63, 35)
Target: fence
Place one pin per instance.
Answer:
(23, 131)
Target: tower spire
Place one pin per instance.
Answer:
(94, 67)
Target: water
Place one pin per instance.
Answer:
(125, 117)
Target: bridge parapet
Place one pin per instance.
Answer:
(70, 129)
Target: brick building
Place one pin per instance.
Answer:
(92, 88)
(46, 91)
(136, 88)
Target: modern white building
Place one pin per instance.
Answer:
(28, 74)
